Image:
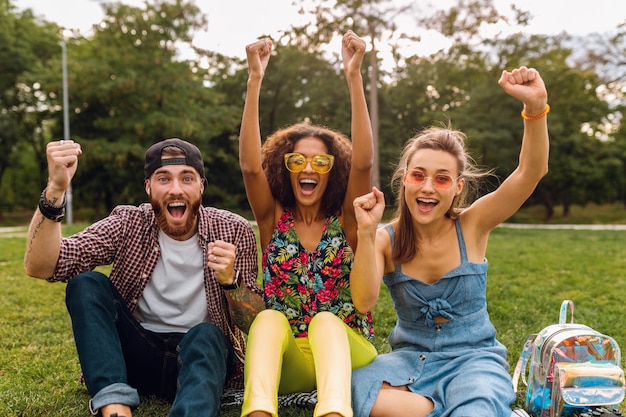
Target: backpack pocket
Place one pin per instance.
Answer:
(582, 385)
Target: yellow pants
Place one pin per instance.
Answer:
(277, 362)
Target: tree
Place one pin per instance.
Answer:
(605, 54)
(300, 85)
(574, 155)
(129, 88)
(373, 18)
(26, 46)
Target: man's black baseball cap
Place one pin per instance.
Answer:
(192, 157)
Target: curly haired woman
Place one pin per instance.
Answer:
(311, 335)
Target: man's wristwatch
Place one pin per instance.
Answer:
(234, 285)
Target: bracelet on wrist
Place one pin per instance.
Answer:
(545, 111)
(49, 210)
(234, 285)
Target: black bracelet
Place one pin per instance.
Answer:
(49, 211)
(234, 285)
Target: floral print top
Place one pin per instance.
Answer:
(300, 283)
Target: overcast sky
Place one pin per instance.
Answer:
(235, 23)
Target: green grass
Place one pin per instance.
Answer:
(531, 272)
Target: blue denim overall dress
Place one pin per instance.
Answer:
(458, 364)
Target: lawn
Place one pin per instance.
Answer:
(531, 272)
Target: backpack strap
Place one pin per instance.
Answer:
(522, 363)
(563, 313)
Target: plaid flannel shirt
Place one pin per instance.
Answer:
(128, 239)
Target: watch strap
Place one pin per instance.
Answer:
(234, 285)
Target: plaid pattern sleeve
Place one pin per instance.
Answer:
(223, 225)
(97, 245)
(128, 239)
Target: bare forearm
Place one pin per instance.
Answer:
(43, 243)
(42, 246)
(534, 153)
(362, 135)
(364, 284)
(244, 305)
(258, 55)
(250, 135)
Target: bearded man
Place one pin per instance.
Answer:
(169, 319)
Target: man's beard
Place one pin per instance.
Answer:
(175, 231)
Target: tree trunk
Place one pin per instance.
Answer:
(566, 209)
(548, 204)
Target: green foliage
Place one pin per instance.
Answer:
(26, 46)
(129, 86)
(131, 91)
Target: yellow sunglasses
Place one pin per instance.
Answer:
(321, 163)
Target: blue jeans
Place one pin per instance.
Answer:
(120, 359)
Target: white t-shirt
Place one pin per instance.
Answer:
(175, 300)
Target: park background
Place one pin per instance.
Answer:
(129, 85)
